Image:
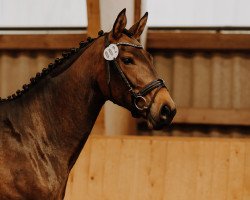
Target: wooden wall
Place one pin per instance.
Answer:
(166, 168)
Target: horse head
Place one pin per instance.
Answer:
(131, 80)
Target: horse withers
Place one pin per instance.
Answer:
(44, 126)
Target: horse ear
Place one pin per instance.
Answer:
(120, 24)
(137, 29)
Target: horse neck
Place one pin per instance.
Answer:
(61, 111)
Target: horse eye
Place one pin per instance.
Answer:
(127, 61)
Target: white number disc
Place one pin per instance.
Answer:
(111, 52)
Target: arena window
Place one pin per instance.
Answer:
(48, 24)
(202, 13)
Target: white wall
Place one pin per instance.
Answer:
(111, 8)
(199, 12)
(43, 13)
(73, 13)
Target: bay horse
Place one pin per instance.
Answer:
(44, 126)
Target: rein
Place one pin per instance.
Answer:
(139, 101)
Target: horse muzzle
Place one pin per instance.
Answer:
(162, 111)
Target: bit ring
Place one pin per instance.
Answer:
(140, 99)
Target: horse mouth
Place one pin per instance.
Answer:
(159, 122)
(154, 124)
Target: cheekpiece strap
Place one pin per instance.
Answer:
(107, 62)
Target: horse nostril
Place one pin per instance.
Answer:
(173, 112)
(165, 112)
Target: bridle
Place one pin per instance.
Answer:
(136, 97)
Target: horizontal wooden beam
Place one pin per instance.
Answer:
(40, 41)
(213, 116)
(157, 39)
(162, 39)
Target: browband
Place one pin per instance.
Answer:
(129, 44)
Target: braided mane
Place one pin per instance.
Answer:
(53, 69)
(59, 65)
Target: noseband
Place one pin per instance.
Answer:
(138, 98)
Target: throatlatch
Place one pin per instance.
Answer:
(140, 104)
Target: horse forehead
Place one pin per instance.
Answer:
(142, 55)
(137, 53)
(131, 40)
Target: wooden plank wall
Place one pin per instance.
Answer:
(166, 168)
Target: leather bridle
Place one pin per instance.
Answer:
(136, 97)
